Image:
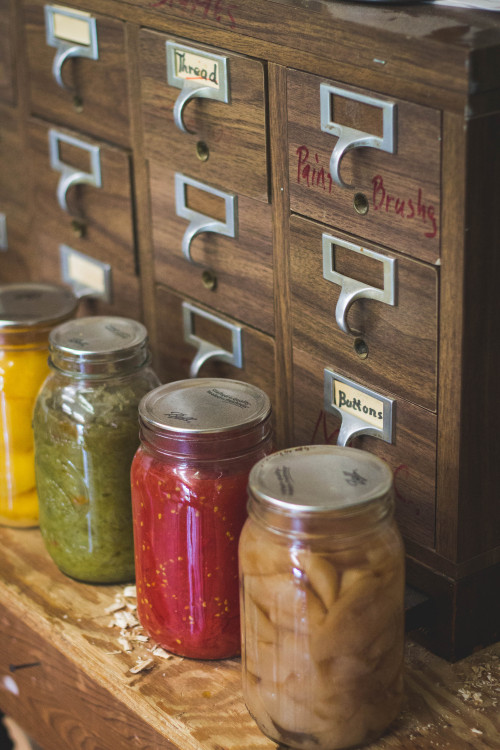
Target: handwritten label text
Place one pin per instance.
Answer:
(312, 174)
(221, 11)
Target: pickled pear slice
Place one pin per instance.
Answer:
(259, 558)
(321, 574)
(286, 601)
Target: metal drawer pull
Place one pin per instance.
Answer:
(87, 276)
(199, 222)
(3, 232)
(206, 350)
(351, 289)
(199, 74)
(69, 175)
(362, 411)
(350, 138)
(80, 37)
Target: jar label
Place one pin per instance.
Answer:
(194, 67)
(202, 73)
(353, 401)
(362, 410)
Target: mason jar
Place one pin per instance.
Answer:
(86, 433)
(322, 598)
(28, 311)
(199, 440)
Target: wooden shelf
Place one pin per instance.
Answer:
(81, 693)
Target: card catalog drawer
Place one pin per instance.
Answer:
(198, 342)
(386, 153)
(213, 245)
(78, 70)
(83, 204)
(371, 311)
(204, 112)
(7, 37)
(15, 208)
(411, 454)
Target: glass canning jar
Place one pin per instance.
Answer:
(28, 311)
(322, 598)
(200, 439)
(86, 433)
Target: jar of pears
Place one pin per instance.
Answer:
(28, 311)
(322, 598)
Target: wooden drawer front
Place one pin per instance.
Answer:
(232, 135)
(96, 98)
(241, 266)
(401, 339)
(15, 207)
(401, 190)
(7, 88)
(412, 455)
(98, 221)
(177, 357)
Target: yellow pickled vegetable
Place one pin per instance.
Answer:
(22, 372)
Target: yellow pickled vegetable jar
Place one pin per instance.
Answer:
(322, 598)
(28, 311)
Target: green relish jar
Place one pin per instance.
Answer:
(86, 433)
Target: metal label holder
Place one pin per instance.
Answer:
(351, 289)
(4, 245)
(351, 138)
(65, 48)
(195, 86)
(70, 175)
(366, 402)
(207, 350)
(87, 276)
(199, 222)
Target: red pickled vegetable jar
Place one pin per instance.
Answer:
(199, 440)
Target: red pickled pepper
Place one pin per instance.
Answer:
(187, 524)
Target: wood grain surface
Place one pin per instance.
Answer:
(100, 85)
(234, 132)
(81, 693)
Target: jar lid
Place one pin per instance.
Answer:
(34, 304)
(91, 345)
(319, 478)
(204, 406)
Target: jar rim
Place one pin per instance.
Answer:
(25, 306)
(316, 479)
(203, 407)
(98, 346)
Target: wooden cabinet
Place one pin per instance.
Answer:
(219, 99)
(7, 72)
(390, 191)
(14, 199)
(232, 273)
(78, 69)
(384, 347)
(204, 344)
(83, 202)
(338, 203)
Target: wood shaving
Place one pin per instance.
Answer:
(130, 592)
(125, 644)
(141, 665)
(124, 619)
(159, 651)
(114, 607)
